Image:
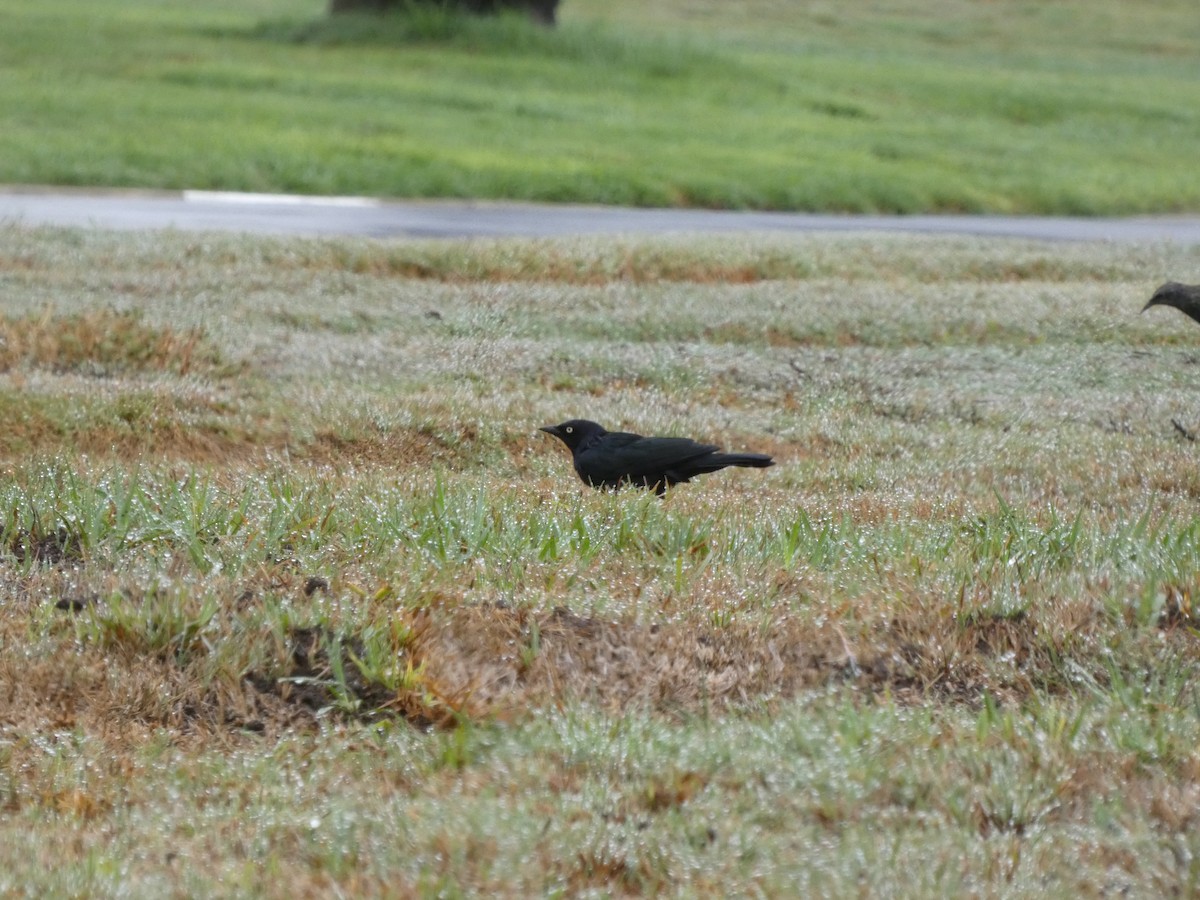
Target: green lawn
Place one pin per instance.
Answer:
(1080, 106)
(295, 600)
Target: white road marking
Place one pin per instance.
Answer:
(276, 199)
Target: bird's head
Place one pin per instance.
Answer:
(1172, 294)
(574, 432)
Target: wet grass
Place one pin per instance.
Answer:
(294, 598)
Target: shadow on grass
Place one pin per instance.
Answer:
(504, 35)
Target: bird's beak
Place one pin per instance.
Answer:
(550, 429)
(1149, 303)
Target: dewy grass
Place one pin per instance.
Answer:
(330, 602)
(1073, 107)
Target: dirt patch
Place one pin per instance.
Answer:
(323, 673)
(446, 663)
(499, 661)
(506, 659)
(43, 546)
(462, 662)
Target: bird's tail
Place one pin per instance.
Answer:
(750, 460)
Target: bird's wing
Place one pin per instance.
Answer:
(630, 456)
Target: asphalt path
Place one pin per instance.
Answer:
(278, 214)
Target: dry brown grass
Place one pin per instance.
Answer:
(691, 259)
(102, 342)
(490, 661)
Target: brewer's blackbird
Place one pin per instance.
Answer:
(1184, 297)
(610, 459)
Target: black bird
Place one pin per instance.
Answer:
(610, 459)
(1184, 297)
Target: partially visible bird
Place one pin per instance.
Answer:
(610, 459)
(1184, 297)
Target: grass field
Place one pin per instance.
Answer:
(1077, 106)
(296, 601)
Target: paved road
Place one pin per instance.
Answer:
(283, 215)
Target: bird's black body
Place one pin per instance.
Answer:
(1184, 297)
(611, 459)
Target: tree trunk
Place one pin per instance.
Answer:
(539, 10)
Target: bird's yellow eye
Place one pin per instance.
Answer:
(570, 430)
